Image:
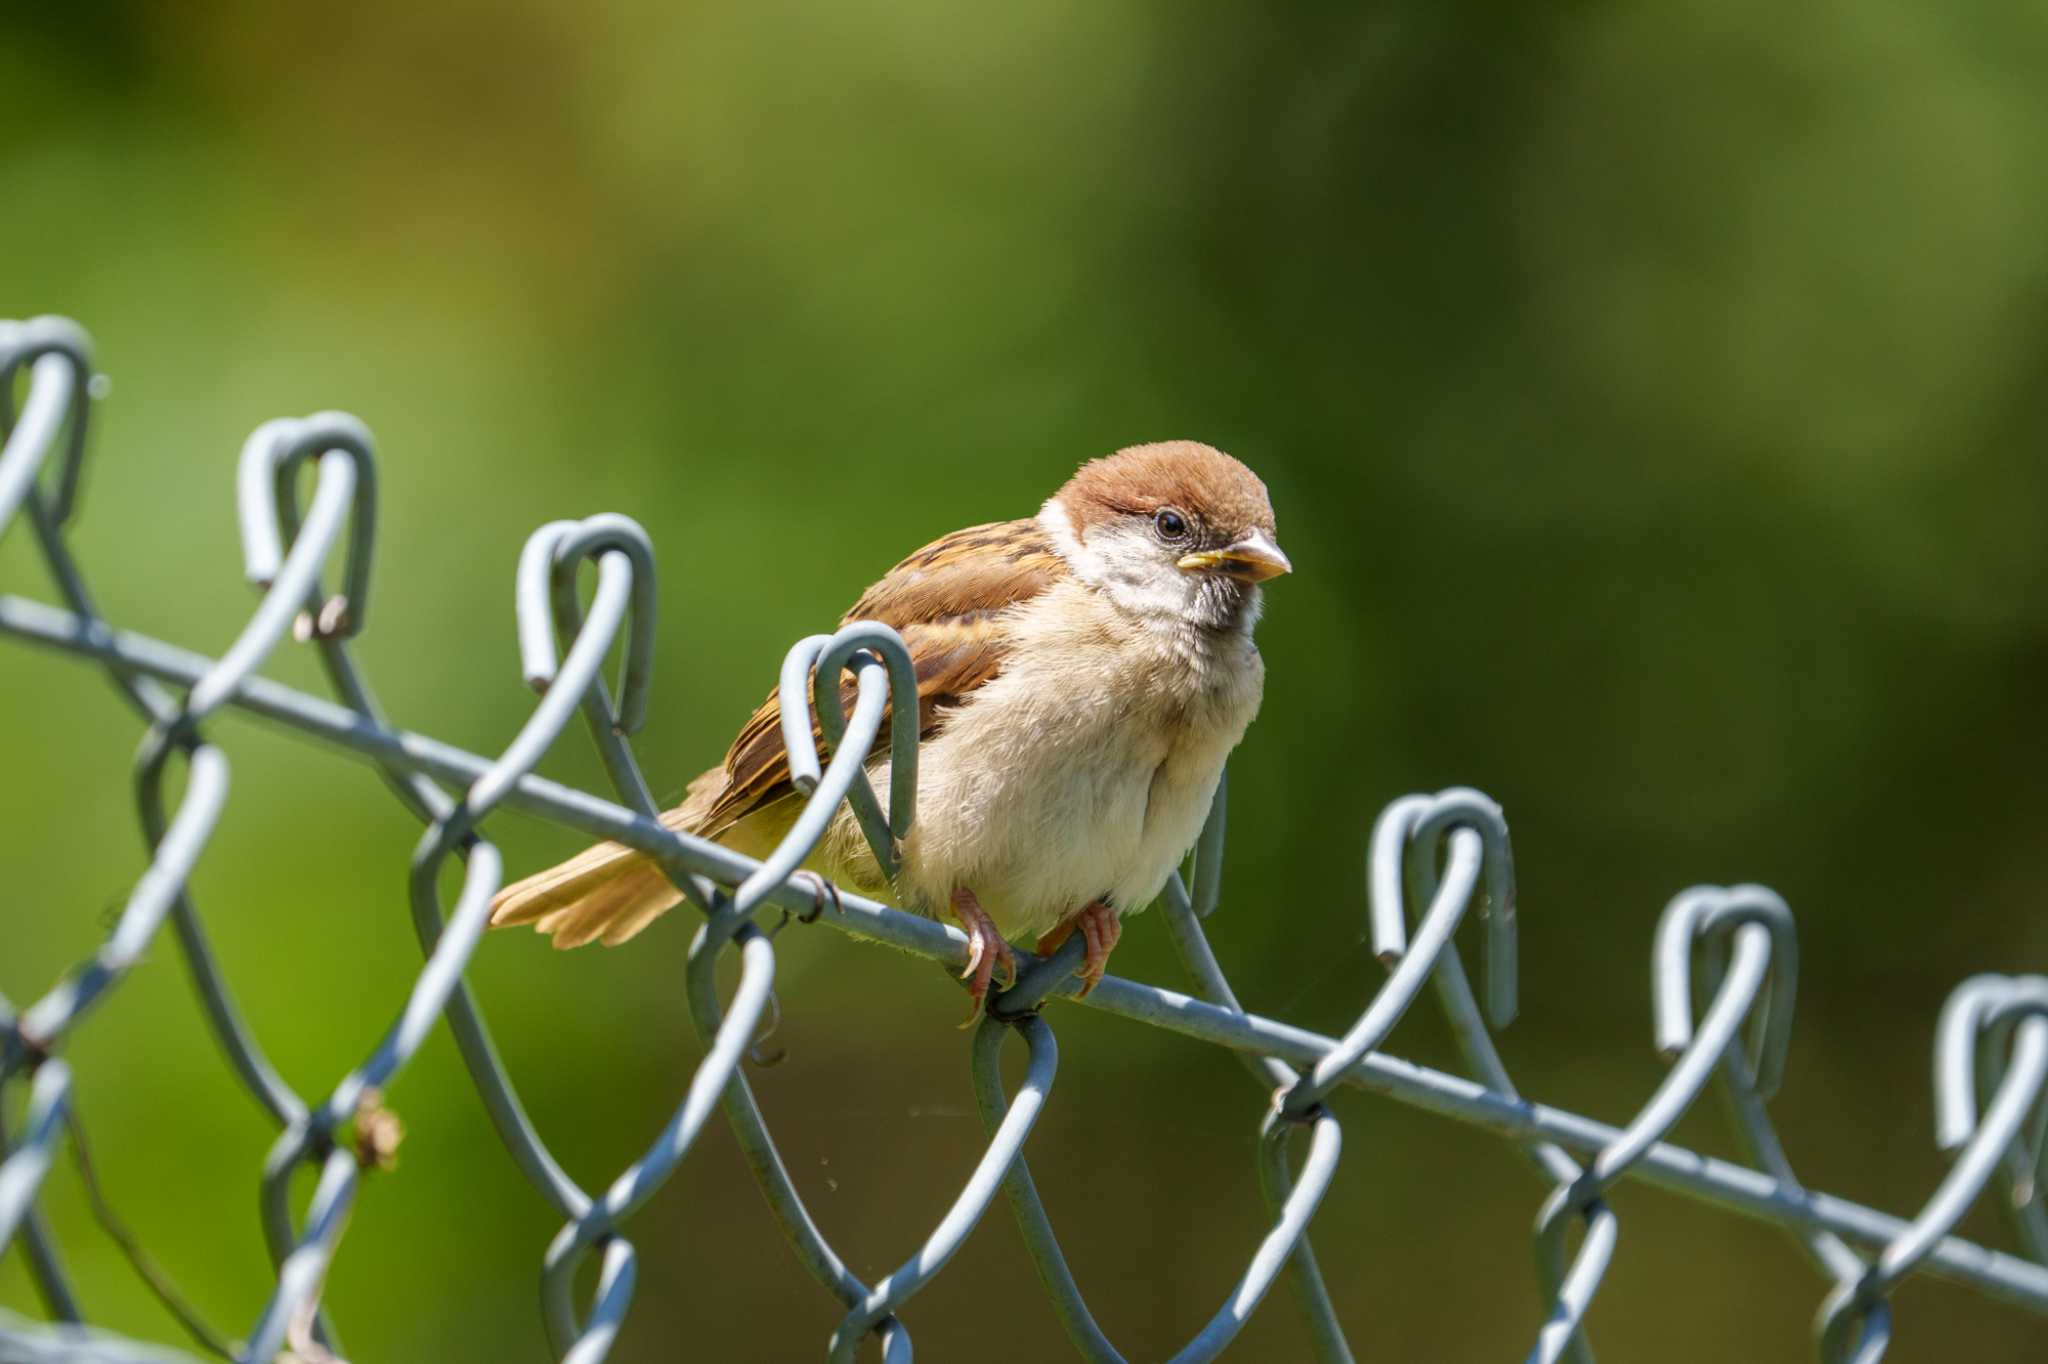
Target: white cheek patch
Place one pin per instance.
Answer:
(1126, 563)
(1059, 528)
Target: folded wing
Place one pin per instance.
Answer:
(946, 600)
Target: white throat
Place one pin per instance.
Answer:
(1129, 567)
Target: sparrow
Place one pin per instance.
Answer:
(1082, 675)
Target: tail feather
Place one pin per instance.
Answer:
(607, 893)
(615, 910)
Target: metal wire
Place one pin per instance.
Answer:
(1449, 854)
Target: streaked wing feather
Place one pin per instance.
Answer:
(945, 600)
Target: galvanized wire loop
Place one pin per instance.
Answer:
(1713, 914)
(1462, 807)
(547, 602)
(292, 581)
(465, 927)
(1278, 1185)
(1421, 823)
(1269, 1073)
(846, 775)
(992, 1103)
(1297, 1204)
(62, 385)
(1412, 964)
(1701, 913)
(743, 1114)
(1403, 855)
(2026, 1162)
(304, 1268)
(1292, 1202)
(1988, 1010)
(850, 648)
(176, 844)
(266, 486)
(1762, 929)
(472, 1037)
(1972, 1038)
(1852, 1327)
(1005, 1144)
(1276, 1179)
(727, 921)
(860, 647)
(638, 1183)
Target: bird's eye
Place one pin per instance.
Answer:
(1170, 524)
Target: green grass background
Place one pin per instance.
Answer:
(1655, 402)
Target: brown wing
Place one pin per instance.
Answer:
(944, 600)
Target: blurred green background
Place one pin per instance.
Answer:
(1655, 402)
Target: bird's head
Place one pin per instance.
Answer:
(1175, 529)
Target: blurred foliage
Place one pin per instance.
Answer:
(1654, 403)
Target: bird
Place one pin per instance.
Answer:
(1082, 676)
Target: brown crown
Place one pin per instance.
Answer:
(1184, 474)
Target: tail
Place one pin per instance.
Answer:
(604, 894)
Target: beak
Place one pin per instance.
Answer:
(1252, 559)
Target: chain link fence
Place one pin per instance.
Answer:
(1433, 861)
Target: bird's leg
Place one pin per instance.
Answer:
(985, 949)
(1101, 927)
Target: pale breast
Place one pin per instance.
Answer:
(1082, 771)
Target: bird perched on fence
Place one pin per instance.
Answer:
(1082, 674)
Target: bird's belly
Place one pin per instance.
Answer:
(1039, 820)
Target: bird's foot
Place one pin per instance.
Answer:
(985, 951)
(1101, 927)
